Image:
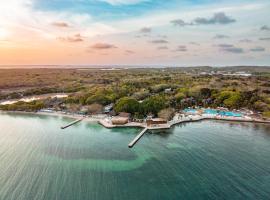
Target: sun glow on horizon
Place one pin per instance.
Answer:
(3, 34)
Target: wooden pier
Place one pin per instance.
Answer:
(72, 123)
(136, 139)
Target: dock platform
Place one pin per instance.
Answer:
(72, 123)
(136, 139)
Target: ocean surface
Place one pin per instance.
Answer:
(200, 160)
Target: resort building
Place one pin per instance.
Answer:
(155, 121)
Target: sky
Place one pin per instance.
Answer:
(135, 32)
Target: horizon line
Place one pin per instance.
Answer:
(13, 66)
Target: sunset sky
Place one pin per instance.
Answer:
(135, 32)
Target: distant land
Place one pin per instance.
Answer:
(145, 89)
(234, 68)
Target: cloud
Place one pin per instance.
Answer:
(60, 24)
(265, 39)
(181, 48)
(265, 28)
(218, 18)
(258, 49)
(234, 50)
(230, 48)
(245, 41)
(180, 22)
(162, 36)
(129, 52)
(102, 46)
(220, 36)
(162, 48)
(143, 35)
(194, 43)
(159, 41)
(225, 45)
(74, 38)
(146, 30)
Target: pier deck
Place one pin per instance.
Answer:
(72, 123)
(136, 139)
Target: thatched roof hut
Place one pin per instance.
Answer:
(119, 120)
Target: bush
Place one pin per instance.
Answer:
(98, 98)
(261, 106)
(234, 101)
(24, 106)
(127, 104)
(205, 92)
(179, 97)
(142, 94)
(159, 88)
(153, 104)
(95, 108)
(266, 114)
(166, 113)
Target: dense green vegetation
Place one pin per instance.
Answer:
(137, 91)
(152, 105)
(24, 106)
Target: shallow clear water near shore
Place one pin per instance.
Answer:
(200, 160)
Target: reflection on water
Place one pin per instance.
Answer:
(201, 160)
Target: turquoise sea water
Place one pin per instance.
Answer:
(201, 160)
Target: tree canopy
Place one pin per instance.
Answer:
(127, 104)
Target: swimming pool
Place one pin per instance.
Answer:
(230, 114)
(190, 110)
(210, 111)
(214, 112)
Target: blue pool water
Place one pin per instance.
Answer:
(230, 114)
(210, 111)
(215, 112)
(189, 110)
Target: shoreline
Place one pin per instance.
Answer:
(194, 118)
(101, 119)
